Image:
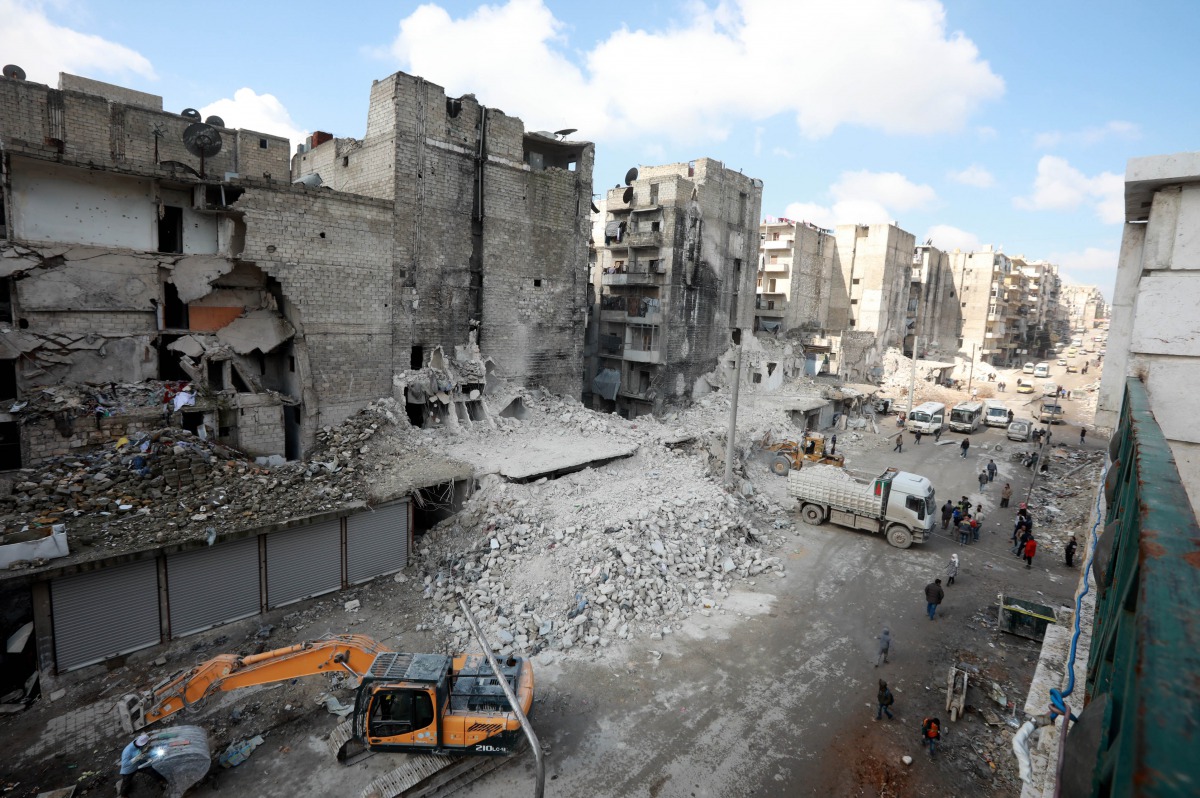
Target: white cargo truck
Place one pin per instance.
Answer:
(896, 503)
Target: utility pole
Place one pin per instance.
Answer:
(971, 374)
(737, 381)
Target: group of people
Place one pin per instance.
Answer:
(966, 519)
(931, 728)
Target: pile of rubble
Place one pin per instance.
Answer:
(600, 555)
(169, 485)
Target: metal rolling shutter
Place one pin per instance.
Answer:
(212, 586)
(377, 542)
(105, 614)
(303, 562)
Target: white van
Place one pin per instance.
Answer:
(1041, 370)
(995, 413)
(1049, 389)
(1027, 368)
(967, 416)
(927, 418)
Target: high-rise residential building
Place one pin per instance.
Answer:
(675, 272)
(989, 299)
(933, 305)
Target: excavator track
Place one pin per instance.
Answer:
(428, 775)
(345, 746)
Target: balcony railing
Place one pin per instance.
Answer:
(644, 238)
(1137, 732)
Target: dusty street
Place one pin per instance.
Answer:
(770, 692)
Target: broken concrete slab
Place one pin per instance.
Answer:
(193, 276)
(188, 345)
(263, 330)
(18, 639)
(540, 456)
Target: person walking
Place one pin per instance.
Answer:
(885, 645)
(833, 444)
(885, 700)
(917, 437)
(933, 597)
(1023, 536)
(983, 480)
(1030, 550)
(931, 732)
(899, 447)
(991, 469)
(937, 434)
(1010, 416)
(964, 446)
(1069, 552)
(951, 569)
(1005, 494)
(1082, 435)
(947, 513)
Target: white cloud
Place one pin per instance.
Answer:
(1061, 187)
(986, 133)
(43, 49)
(973, 175)
(948, 238)
(1093, 266)
(1117, 128)
(864, 198)
(720, 62)
(262, 113)
(891, 189)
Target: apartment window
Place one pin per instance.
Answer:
(851, 322)
(655, 227)
(760, 281)
(654, 195)
(771, 286)
(853, 301)
(774, 236)
(774, 259)
(855, 281)
(262, 144)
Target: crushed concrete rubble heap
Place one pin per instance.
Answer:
(634, 547)
(169, 485)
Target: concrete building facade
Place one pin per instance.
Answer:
(1155, 328)
(447, 231)
(674, 275)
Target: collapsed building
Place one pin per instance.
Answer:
(673, 278)
(143, 245)
(178, 296)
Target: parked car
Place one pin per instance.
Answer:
(1020, 429)
(1062, 361)
(1049, 389)
(1028, 368)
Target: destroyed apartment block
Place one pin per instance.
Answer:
(213, 350)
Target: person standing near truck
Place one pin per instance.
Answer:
(933, 597)
(947, 513)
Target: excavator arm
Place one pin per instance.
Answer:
(332, 654)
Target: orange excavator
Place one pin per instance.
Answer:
(410, 703)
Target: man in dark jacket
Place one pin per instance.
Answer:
(947, 511)
(1069, 551)
(933, 596)
(885, 699)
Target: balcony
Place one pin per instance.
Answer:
(642, 355)
(1137, 727)
(783, 243)
(781, 265)
(630, 278)
(643, 239)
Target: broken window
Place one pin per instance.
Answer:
(192, 421)
(170, 229)
(10, 446)
(175, 311)
(8, 379)
(6, 315)
(654, 198)
(416, 357)
(216, 375)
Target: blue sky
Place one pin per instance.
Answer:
(969, 121)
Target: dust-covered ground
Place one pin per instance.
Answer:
(687, 640)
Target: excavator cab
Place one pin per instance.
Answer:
(400, 701)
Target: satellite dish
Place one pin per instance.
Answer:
(562, 134)
(627, 197)
(202, 140)
(215, 121)
(630, 176)
(14, 72)
(190, 113)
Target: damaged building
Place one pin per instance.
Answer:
(673, 275)
(145, 246)
(178, 297)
